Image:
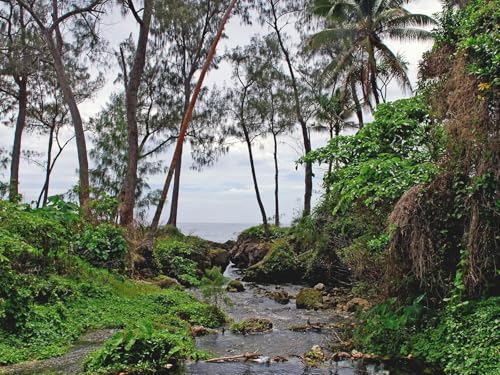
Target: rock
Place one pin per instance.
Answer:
(309, 298)
(235, 286)
(218, 258)
(280, 296)
(199, 331)
(164, 282)
(319, 286)
(279, 265)
(314, 355)
(356, 304)
(252, 325)
(248, 252)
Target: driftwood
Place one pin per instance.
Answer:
(240, 357)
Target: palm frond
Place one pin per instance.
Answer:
(409, 34)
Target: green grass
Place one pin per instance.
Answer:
(96, 299)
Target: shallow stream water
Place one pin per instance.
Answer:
(280, 342)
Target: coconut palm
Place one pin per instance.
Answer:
(363, 25)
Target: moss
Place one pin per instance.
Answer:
(309, 298)
(279, 265)
(166, 282)
(252, 325)
(235, 285)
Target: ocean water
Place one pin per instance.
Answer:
(217, 232)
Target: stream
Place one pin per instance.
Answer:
(252, 303)
(281, 341)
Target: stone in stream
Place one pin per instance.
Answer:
(309, 298)
(252, 325)
(319, 286)
(235, 286)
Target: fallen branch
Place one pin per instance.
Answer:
(245, 357)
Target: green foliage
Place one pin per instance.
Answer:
(384, 159)
(387, 328)
(172, 258)
(61, 308)
(475, 30)
(103, 245)
(258, 232)
(142, 348)
(280, 264)
(104, 207)
(39, 228)
(464, 339)
(212, 287)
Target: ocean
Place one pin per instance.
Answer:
(217, 232)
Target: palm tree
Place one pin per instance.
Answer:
(363, 25)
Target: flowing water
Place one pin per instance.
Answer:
(280, 342)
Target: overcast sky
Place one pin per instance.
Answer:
(223, 193)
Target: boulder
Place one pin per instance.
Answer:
(279, 265)
(235, 286)
(218, 257)
(320, 287)
(309, 298)
(252, 325)
(164, 282)
(357, 304)
(280, 296)
(248, 252)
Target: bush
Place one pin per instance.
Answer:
(35, 227)
(103, 245)
(387, 329)
(464, 339)
(172, 258)
(258, 232)
(142, 349)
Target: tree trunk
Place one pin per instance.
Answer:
(172, 220)
(131, 99)
(45, 190)
(254, 178)
(276, 182)
(300, 118)
(357, 104)
(22, 83)
(185, 123)
(81, 145)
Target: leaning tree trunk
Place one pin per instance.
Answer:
(70, 100)
(185, 123)
(254, 178)
(172, 220)
(127, 203)
(22, 82)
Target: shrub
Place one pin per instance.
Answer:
(258, 232)
(464, 339)
(142, 349)
(103, 245)
(212, 287)
(172, 258)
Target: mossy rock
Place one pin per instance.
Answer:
(309, 298)
(164, 282)
(279, 265)
(252, 325)
(235, 286)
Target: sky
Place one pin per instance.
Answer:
(224, 192)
